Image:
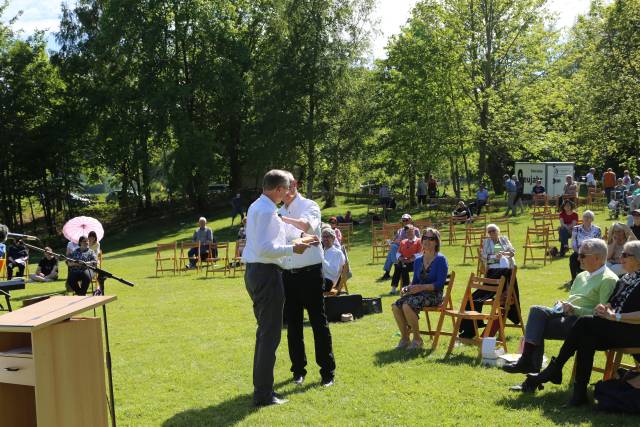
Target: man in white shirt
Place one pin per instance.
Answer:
(303, 287)
(263, 255)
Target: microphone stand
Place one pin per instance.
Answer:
(102, 276)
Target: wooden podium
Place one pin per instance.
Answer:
(52, 364)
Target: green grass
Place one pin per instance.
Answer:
(182, 349)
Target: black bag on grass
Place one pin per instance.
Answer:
(618, 395)
(371, 305)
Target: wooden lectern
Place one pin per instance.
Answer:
(52, 364)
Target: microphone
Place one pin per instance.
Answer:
(21, 236)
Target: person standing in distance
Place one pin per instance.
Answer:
(263, 255)
(304, 287)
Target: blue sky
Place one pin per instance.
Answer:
(392, 14)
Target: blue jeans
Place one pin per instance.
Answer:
(564, 235)
(391, 257)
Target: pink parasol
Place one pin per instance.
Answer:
(81, 226)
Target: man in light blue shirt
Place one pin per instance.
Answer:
(482, 198)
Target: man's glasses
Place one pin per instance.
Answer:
(582, 256)
(625, 255)
(492, 231)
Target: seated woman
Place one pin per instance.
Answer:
(94, 245)
(78, 271)
(568, 220)
(618, 236)
(429, 276)
(333, 222)
(581, 233)
(47, 270)
(615, 324)
(406, 254)
(17, 257)
(333, 260)
(498, 257)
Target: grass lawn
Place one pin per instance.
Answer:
(182, 349)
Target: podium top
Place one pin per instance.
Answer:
(49, 311)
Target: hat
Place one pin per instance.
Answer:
(406, 216)
(635, 212)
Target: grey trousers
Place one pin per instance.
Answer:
(543, 324)
(511, 203)
(265, 287)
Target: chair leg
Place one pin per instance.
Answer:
(454, 336)
(426, 313)
(436, 335)
(501, 333)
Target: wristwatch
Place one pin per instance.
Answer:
(618, 317)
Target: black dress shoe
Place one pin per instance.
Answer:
(528, 386)
(275, 400)
(520, 368)
(552, 373)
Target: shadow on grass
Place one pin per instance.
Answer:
(550, 404)
(387, 357)
(229, 412)
(530, 267)
(458, 359)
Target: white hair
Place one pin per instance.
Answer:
(589, 214)
(493, 227)
(202, 219)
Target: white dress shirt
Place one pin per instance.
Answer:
(266, 234)
(308, 210)
(332, 265)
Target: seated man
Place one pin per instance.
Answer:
(591, 287)
(400, 235)
(204, 235)
(333, 261)
(47, 268)
(17, 257)
(538, 192)
(482, 198)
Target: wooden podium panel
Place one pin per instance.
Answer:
(54, 362)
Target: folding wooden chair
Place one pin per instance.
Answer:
(380, 241)
(341, 287)
(511, 300)
(442, 225)
(472, 240)
(455, 227)
(479, 220)
(162, 260)
(613, 361)
(494, 314)
(219, 262)
(184, 259)
(421, 224)
(537, 239)
(445, 305)
(539, 203)
(345, 229)
(236, 261)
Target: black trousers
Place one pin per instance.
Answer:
(303, 290)
(591, 333)
(264, 285)
(574, 265)
(480, 296)
(10, 266)
(401, 270)
(79, 280)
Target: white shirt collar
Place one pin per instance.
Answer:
(598, 271)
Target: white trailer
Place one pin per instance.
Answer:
(552, 175)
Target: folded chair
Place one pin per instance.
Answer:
(217, 263)
(236, 261)
(537, 239)
(472, 240)
(494, 314)
(166, 259)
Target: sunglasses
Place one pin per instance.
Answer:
(430, 238)
(625, 255)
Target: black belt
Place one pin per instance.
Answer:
(303, 269)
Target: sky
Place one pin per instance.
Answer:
(391, 15)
